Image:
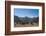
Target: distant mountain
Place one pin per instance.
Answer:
(35, 19)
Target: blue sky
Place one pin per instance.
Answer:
(26, 12)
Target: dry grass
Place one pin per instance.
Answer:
(25, 25)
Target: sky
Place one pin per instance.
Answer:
(22, 12)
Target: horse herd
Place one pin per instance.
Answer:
(23, 23)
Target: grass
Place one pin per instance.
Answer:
(26, 25)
